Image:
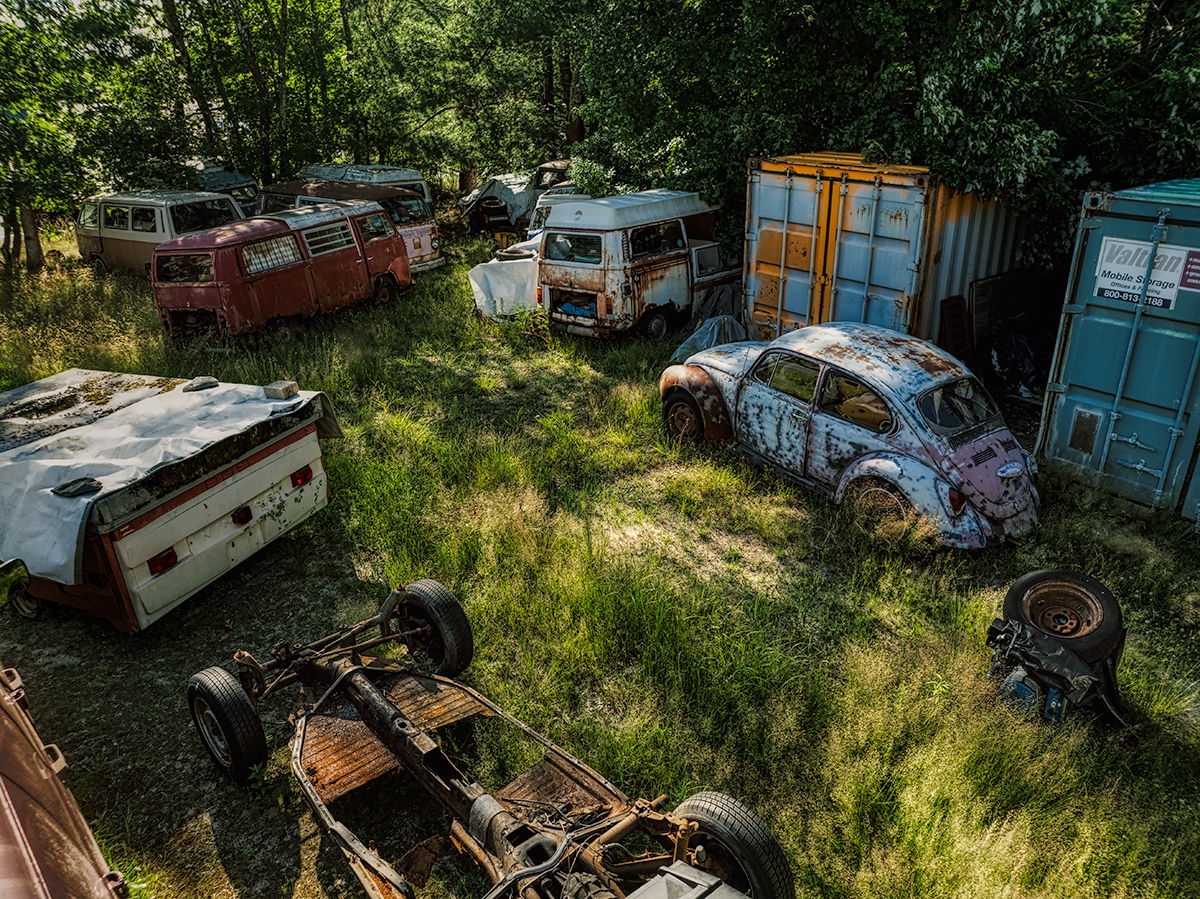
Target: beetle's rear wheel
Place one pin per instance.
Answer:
(884, 503)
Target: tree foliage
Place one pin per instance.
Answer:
(1028, 100)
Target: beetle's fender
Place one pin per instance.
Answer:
(699, 385)
(928, 492)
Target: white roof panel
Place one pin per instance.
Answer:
(627, 210)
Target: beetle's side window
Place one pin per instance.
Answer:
(787, 374)
(852, 400)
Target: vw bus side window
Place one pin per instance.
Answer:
(574, 247)
(202, 214)
(276, 203)
(328, 239)
(89, 216)
(116, 218)
(145, 219)
(375, 227)
(275, 252)
(653, 240)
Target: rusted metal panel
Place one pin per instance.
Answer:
(430, 704)
(559, 783)
(699, 385)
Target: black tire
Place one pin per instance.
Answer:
(227, 722)
(99, 269)
(1075, 609)
(734, 844)
(386, 290)
(447, 645)
(27, 605)
(585, 886)
(656, 324)
(682, 417)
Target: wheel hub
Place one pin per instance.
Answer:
(682, 422)
(1062, 609)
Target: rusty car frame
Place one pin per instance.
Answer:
(868, 414)
(558, 830)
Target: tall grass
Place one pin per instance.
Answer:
(681, 620)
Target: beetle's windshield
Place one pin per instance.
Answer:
(955, 406)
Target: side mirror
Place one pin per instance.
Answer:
(14, 578)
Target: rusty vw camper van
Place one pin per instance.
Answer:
(298, 262)
(642, 260)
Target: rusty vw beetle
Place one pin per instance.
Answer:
(862, 412)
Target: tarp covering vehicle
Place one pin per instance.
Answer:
(127, 493)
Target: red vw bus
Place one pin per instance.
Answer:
(238, 277)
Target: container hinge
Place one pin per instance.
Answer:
(1132, 441)
(1072, 309)
(1055, 387)
(1140, 465)
(1089, 224)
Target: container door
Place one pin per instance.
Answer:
(875, 231)
(853, 239)
(1121, 404)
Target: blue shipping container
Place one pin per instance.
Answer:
(1121, 409)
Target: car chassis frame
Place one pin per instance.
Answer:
(554, 832)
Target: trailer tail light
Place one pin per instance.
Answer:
(243, 515)
(958, 499)
(302, 477)
(162, 561)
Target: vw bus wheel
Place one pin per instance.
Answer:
(27, 605)
(99, 269)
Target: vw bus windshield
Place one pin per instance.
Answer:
(956, 406)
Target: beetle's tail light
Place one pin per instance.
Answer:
(163, 561)
(302, 477)
(958, 499)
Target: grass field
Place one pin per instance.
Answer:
(674, 617)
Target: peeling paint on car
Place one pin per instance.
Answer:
(831, 405)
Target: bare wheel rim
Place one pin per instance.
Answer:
(884, 503)
(712, 856)
(682, 421)
(1062, 609)
(429, 643)
(210, 730)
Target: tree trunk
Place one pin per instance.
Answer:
(548, 79)
(33, 245)
(570, 92)
(12, 233)
(171, 14)
(266, 169)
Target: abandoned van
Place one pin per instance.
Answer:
(379, 175)
(126, 494)
(412, 216)
(120, 231)
(238, 277)
(642, 260)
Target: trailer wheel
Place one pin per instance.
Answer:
(734, 844)
(27, 605)
(445, 642)
(1075, 609)
(682, 417)
(227, 722)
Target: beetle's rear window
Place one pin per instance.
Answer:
(956, 406)
(190, 268)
